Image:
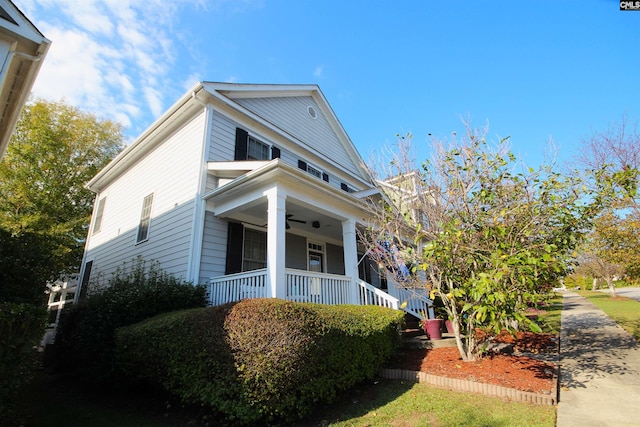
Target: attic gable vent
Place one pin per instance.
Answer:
(312, 112)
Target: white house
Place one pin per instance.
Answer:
(254, 190)
(22, 50)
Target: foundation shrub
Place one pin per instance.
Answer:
(21, 328)
(85, 337)
(261, 360)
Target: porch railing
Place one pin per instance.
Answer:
(320, 288)
(370, 295)
(239, 286)
(417, 300)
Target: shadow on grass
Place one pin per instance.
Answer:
(55, 400)
(357, 402)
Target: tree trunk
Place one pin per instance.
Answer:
(612, 287)
(594, 286)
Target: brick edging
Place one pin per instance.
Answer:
(472, 386)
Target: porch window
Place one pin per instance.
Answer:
(255, 250)
(145, 219)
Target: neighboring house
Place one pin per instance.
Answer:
(254, 190)
(22, 50)
(61, 293)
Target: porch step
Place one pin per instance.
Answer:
(419, 342)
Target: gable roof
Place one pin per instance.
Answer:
(22, 49)
(246, 99)
(229, 96)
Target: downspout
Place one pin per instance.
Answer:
(197, 224)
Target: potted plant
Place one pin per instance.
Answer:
(433, 328)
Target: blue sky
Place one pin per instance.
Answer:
(535, 71)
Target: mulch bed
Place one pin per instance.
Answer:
(516, 370)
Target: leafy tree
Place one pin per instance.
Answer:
(610, 250)
(490, 236)
(613, 246)
(54, 151)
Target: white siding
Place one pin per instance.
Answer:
(171, 172)
(223, 144)
(214, 248)
(223, 139)
(290, 114)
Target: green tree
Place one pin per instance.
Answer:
(490, 236)
(54, 151)
(610, 250)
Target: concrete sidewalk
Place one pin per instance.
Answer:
(599, 368)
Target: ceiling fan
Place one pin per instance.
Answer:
(289, 218)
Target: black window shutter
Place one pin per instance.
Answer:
(235, 240)
(344, 186)
(302, 165)
(275, 152)
(325, 176)
(242, 137)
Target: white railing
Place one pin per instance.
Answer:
(417, 300)
(239, 286)
(370, 295)
(320, 288)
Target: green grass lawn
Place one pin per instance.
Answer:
(550, 319)
(624, 311)
(397, 403)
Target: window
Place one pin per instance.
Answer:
(97, 221)
(249, 148)
(145, 219)
(257, 150)
(313, 170)
(255, 250)
(316, 257)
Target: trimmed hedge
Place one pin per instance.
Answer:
(21, 329)
(260, 360)
(85, 337)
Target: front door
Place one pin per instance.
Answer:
(315, 262)
(316, 257)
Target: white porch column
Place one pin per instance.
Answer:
(350, 255)
(276, 218)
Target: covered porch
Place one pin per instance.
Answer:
(293, 236)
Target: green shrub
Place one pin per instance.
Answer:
(21, 328)
(85, 336)
(261, 359)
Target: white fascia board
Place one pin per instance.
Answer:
(242, 90)
(366, 193)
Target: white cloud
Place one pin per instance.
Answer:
(318, 72)
(109, 57)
